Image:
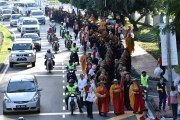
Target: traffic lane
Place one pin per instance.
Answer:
(58, 116)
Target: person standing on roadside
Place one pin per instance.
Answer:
(162, 90)
(127, 83)
(174, 101)
(76, 29)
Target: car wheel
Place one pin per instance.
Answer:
(21, 35)
(11, 25)
(33, 64)
(5, 113)
(44, 23)
(11, 64)
(38, 111)
(39, 34)
(39, 48)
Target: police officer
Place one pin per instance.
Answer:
(49, 54)
(74, 50)
(67, 36)
(61, 29)
(144, 79)
(71, 65)
(72, 89)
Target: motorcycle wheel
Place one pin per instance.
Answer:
(72, 111)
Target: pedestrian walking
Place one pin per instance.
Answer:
(81, 84)
(83, 62)
(89, 98)
(158, 115)
(127, 83)
(162, 90)
(76, 29)
(102, 99)
(174, 101)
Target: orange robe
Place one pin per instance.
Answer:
(136, 100)
(103, 25)
(116, 99)
(83, 63)
(102, 103)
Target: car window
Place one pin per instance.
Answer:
(29, 22)
(19, 4)
(36, 13)
(16, 16)
(22, 46)
(7, 12)
(31, 5)
(3, 3)
(34, 37)
(21, 86)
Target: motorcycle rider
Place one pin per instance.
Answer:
(48, 55)
(52, 24)
(72, 89)
(71, 65)
(74, 50)
(55, 40)
(67, 37)
(61, 28)
(144, 82)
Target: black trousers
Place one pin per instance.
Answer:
(174, 110)
(76, 34)
(89, 106)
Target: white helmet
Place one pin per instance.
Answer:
(21, 118)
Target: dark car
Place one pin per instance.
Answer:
(36, 39)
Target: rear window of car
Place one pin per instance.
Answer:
(3, 3)
(37, 13)
(6, 12)
(16, 16)
(30, 22)
(22, 46)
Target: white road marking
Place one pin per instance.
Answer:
(63, 100)
(64, 108)
(64, 94)
(60, 113)
(63, 87)
(63, 81)
(63, 116)
(4, 72)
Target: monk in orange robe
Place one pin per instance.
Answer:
(103, 25)
(135, 95)
(116, 99)
(102, 99)
(83, 62)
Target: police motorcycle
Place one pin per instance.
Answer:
(72, 102)
(71, 69)
(55, 46)
(63, 32)
(53, 26)
(49, 61)
(50, 35)
(68, 41)
(144, 92)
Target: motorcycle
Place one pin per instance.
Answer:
(73, 57)
(55, 46)
(50, 37)
(49, 64)
(68, 44)
(63, 31)
(144, 93)
(72, 102)
(71, 75)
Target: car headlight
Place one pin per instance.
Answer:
(13, 55)
(35, 98)
(7, 99)
(30, 54)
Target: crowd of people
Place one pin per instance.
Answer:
(106, 70)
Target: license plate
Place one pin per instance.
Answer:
(20, 106)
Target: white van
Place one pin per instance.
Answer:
(24, 7)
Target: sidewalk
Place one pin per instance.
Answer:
(143, 61)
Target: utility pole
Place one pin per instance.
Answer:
(168, 42)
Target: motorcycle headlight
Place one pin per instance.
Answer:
(30, 54)
(35, 98)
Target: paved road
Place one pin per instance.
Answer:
(52, 96)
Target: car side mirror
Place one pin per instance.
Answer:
(40, 89)
(9, 49)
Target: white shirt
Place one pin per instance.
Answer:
(91, 72)
(82, 83)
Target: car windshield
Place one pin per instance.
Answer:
(37, 13)
(3, 3)
(16, 16)
(21, 86)
(7, 12)
(19, 4)
(29, 22)
(31, 5)
(22, 46)
(34, 37)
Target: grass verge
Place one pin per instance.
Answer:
(6, 43)
(153, 49)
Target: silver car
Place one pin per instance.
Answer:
(5, 14)
(22, 94)
(14, 18)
